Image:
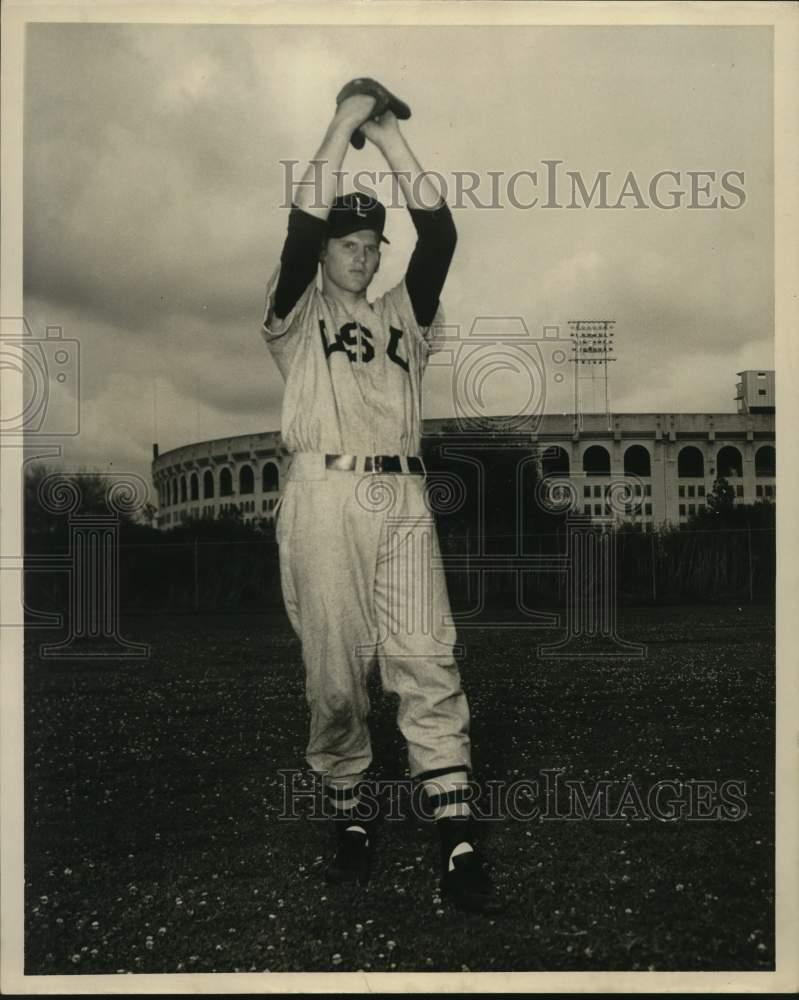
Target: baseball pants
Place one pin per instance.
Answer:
(361, 578)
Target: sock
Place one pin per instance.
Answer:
(342, 799)
(448, 793)
(345, 805)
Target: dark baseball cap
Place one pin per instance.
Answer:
(352, 212)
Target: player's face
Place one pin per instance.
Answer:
(350, 262)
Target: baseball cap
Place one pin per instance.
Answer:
(352, 212)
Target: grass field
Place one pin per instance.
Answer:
(152, 797)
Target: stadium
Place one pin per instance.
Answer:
(667, 461)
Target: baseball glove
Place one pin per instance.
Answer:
(384, 101)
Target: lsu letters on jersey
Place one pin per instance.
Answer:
(353, 377)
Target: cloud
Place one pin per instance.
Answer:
(153, 186)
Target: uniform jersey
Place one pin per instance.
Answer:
(353, 376)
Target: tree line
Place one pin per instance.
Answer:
(229, 563)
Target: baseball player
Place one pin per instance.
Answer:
(357, 541)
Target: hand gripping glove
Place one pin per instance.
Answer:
(384, 101)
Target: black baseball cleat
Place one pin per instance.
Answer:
(464, 880)
(467, 885)
(353, 859)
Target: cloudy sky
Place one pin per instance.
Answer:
(153, 189)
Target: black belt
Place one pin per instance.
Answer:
(376, 463)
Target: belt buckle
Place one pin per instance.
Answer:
(377, 464)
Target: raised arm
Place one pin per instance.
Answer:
(317, 187)
(314, 196)
(431, 217)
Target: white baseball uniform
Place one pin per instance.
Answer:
(360, 563)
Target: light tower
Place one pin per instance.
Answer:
(592, 351)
